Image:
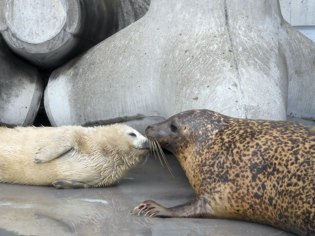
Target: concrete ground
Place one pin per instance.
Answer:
(29, 210)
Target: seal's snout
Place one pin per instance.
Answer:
(160, 131)
(146, 144)
(150, 131)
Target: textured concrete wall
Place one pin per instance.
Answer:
(300, 14)
(297, 12)
(234, 57)
(308, 31)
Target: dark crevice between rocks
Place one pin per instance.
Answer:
(41, 118)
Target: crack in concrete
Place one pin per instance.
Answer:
(238, 75)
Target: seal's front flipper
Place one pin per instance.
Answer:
(49, 153)
(69, 184)
(196, 208)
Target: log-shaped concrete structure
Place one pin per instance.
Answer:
(236, 57)
(50, 32)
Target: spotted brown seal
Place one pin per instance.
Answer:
(253, 170)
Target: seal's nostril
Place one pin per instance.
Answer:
(149, 127)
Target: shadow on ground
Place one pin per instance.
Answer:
(28, 210)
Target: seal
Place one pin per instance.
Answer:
(69, 156)
(252, 170)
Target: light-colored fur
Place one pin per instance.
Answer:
(97, 156)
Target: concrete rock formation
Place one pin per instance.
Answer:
(50, 32)
(20, 89)
(236, 57)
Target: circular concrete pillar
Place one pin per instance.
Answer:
(50, 32)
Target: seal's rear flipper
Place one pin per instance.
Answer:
(49, 153)
(195, 208)
(69, 184)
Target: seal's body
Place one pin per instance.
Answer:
(260, 171)
(69, 156)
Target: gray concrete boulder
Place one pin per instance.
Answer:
(20, 89)
(50, 32)
(236, 57)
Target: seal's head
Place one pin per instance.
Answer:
(123, 141)
(123, 148)
(193, 126)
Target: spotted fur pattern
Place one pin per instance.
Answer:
(260, 171)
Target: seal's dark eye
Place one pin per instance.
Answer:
(132, 134)
(173, 128)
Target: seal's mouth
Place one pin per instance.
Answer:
(142, 148)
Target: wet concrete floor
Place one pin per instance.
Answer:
(29, 210)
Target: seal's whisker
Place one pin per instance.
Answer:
(155, 150)
(160, 150)
(151, 147)
(158, 153)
